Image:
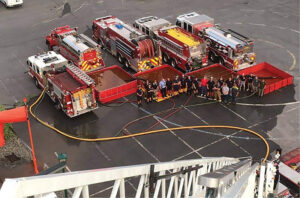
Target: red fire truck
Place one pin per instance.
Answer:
(182, 49)
(226, 46)
(78, 48)
(133, 49)
(69, 88)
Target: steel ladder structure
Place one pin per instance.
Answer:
(80, 74)
(206, 177)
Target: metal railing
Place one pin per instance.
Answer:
(166, 179)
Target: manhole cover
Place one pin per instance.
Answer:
(12, 158)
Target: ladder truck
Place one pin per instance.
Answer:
(77, 48)
(133, 49)
(71, 90)
(226, 46)
(182, 49)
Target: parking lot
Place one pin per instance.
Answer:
(274, 26)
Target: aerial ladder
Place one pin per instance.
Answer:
(216, 177)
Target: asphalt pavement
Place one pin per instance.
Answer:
(274, 26)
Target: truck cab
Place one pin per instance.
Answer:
(39, 65)
(150, 25)
(194, 22)
(59, 33)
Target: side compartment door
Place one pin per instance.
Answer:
(113, 47)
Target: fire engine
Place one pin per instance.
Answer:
(182, 49)
(226, 46)
(69, 88)
(78, 48)
(133, 49)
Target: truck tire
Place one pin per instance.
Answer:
(100, 43)
(120, 58)
(49, 46)
(173, 63)
(126, 63)
(221, 61)
(36, 82)
(165, 58)
(213, 57)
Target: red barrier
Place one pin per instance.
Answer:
(275, 78)
(19, 114)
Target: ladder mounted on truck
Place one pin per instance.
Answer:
(219, 177)
(80, 74)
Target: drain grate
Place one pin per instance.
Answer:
(12, 158)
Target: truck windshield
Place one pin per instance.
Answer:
(197, 50)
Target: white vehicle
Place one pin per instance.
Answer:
(150, 25)
(12, 3)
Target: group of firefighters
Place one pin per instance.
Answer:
(221, 90)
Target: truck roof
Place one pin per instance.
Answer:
(153, 22)
(119, 27)
(66, 82)
(64, 30)
(75, 43)
(47, 59)
(182, 36)
(195, 18)
(224, 37)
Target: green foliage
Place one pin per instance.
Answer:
(8, 130)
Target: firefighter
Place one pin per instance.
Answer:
(237, 81)
(169, 86)
(163, 87)
(176, 85)
(243, 82)
(250, 83)
(234, 93)
(189, 85)
(195, 86)
(149, 93)
(255, 84)
(276, 163)
(221, 81)
(182, 83)
(210, 85)
(229, 83)
(225, 91)
(204, 87)
(146, 85)
(217, 91)
(155, 89)
(261, 88)
(139, 96)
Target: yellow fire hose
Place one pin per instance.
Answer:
(144, 133)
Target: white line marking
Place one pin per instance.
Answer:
(196, 115)
(268, 105)
(183, 141)
(217, 131)
(257, 24)
(235, 113)
(149, 152)
(101, 152)
(295, 31)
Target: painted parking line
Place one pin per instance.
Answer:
(144, 147)
(233, 142)
(161, 122)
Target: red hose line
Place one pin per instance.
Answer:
(172, 113)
